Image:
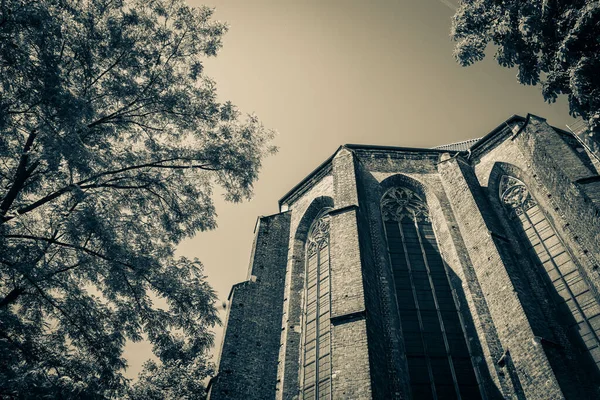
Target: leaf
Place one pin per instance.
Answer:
(112, 140)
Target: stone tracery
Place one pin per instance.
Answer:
(319, 235)
(428, 315)
(555, 263)
(399, 202)
(316, 370)
(515, 195)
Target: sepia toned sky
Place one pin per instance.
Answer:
(329, 72)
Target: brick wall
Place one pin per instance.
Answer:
(570, 187)
(527, 366)
(504, 308)
(548, 162)
(479, 329)
(350, 353)
(303, 211)
(248, 365)
(386, 349)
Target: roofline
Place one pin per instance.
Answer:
(235, 286)
(479, 143)
(307, 177)
(211, 382)
(493, 132)
(357, 147)
(444, 146)
(396, 148)
(260, 217)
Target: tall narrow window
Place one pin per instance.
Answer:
(317, 336)
(576, 302)
(439, 362)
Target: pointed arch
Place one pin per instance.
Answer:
(310, 215)
(439, 361)
(577, 304)
(316, 349)
(311, 274)
(400, 180)
(291, 373)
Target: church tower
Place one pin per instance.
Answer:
(467, 271)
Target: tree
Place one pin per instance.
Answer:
(552, 42)
(179, 377)
(112, 140)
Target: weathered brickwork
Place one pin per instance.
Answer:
(519, 343)
(248, 364)
(306, 209)
(351, 368)
(383, 335)
(557, 156)
(350, 360)
(503, 291)
(482, 336)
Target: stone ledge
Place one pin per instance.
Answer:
(348, 317)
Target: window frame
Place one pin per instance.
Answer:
(405, 209)
(319, 339)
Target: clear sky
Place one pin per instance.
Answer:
(329, 72)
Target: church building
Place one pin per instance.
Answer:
(466, 271)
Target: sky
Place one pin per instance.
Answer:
(329, 72)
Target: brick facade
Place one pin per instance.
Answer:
(248, 366)
(520, 343)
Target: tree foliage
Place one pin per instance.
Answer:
(552, 42)
(111, 141)
(179, 376)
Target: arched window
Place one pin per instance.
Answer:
(317, 313)
(439, 362)
(576, 302)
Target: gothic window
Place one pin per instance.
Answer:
(572, 295)
(317, 336)
(439, 362)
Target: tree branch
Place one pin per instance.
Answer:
(82, 183)
(39, 203)
(138, 97)
(94, 344)
(58, 271)
(94, 253)
(110, 67)
(69, 245)
(21, 175)
(11, 297)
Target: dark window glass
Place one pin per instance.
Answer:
(433, 337)
(317, 314)
(569, 289)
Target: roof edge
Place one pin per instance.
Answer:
(307, 178)
(493, 132)
(397, 148)
(352, 146)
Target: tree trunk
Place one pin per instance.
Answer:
(23, 172)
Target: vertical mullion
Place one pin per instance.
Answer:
(322, 244)
(329, 319)
(414, 293)
(468, 343)
(306, 313)
(437, 308)
(560, 274)
(317, 330)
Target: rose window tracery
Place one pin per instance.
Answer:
(316, 371)
(572, 294)
(514, 195)
(398, 203)
(319, 236)
(438, 359)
